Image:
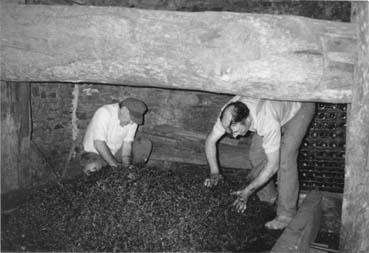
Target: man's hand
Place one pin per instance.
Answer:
(90, 168)
(213, 180)
(115, 165)
(240, 203)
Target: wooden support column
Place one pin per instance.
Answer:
(257, 55)
(355, 212)
(15, 135)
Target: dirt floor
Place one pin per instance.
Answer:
(142, 209)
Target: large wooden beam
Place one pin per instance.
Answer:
(355, 210)
(266, 56)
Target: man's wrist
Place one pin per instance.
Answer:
(113, 165)
(214, 171)
(127, 159)
(249, 190)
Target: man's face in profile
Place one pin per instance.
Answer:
(234, 129)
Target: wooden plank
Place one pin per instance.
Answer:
(15, 135)
(265, 56)
(355, 211)
(175, 132)
(179, 149)
(304, 227)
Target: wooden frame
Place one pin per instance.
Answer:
(32, 51)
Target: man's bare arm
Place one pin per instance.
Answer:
(211, 156)
(269, 170)
(127, 153)
(211, 151)
(105, 153)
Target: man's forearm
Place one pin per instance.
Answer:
(261, 179)
(268, 171)
(105, 153)
(127, 153)
(211, 156)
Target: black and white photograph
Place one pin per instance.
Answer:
(184, 126)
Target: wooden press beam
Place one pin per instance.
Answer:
(265, 56)
(355, 210)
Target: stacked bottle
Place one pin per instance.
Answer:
(322, 154)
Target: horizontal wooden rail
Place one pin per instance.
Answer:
(302, 230)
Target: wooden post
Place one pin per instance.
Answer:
(355, 210)
(15, 135)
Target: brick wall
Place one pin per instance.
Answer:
(52, 112)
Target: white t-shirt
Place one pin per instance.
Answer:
(105, 126)
(267, 119)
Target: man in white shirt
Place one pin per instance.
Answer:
(279, 129)
(110, 136)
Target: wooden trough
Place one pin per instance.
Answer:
(326, 61)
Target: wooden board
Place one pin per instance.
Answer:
(175, 145)
(266, 56)
(304, 227)
(15, 135)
